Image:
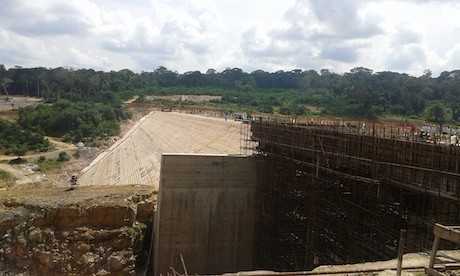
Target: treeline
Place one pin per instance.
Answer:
(79, 105)
(360, 92)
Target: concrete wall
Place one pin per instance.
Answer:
(206, 212)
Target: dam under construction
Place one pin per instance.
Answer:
(315, 192)
(340, 192)
(283, 196)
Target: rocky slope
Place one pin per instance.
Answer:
(87, 231)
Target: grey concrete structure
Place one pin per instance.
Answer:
(206, 213)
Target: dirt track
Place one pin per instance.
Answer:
(16, 102)
(135, 159)
(58, 145)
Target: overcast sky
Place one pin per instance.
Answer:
(399, 35)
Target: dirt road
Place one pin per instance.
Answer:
(58, 147)
(135, 159)
(22, 175)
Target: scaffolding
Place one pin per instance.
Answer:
(338, 192)
(247, 145)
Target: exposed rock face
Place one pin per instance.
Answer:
(98, 233)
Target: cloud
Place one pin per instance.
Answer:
(141, 34)
(384, 34)
(185, 35)
(405, 36)
(153, 42)
(406, 58)
(453, 58)
(314, 33)
(343, 19)
(340, 53)
(29, 18)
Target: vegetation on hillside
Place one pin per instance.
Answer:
(75, 121)
(47, 165)
(358, 93)
(17, 140)
(6, 178)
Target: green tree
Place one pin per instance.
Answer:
(63, 156)
(285, 110)
(265, 108)
(438, 113)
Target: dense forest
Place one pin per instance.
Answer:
(82, 105)
(359, 93)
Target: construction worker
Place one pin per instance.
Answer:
(73, 182)
(453, 140)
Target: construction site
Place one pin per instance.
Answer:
(317, 192)
(341, 192)
(276, 195)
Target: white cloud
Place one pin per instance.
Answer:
(405, 36)
(197, 34)
(453, 58)
(41, 18)
(407, 58)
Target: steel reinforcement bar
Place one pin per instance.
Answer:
(334, 194)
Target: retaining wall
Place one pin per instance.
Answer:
(206, 214)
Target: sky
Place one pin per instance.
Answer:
(407, 36)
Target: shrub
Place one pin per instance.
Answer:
(6, 178)
(49, 165)
(63, 156)
(76, 155)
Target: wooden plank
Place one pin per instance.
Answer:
(434, 251)
(433, 272)
(447, 233)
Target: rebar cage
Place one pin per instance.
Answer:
(339, 192)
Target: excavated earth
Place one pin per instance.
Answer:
(98, 230)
